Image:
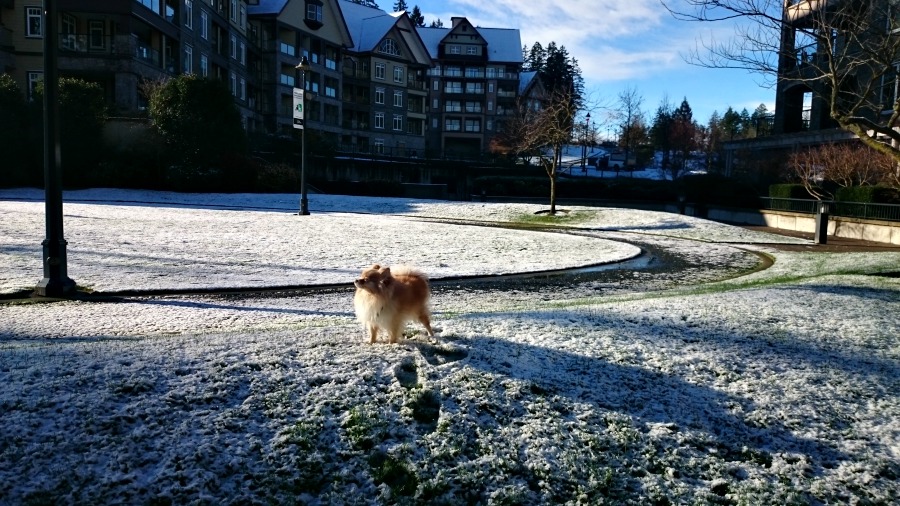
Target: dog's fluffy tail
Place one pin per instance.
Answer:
(406, 270)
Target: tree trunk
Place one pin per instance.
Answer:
(553, 193)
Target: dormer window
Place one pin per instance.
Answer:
(314, 14)
(388, 46)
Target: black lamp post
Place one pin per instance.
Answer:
(303, 66)
(56, 280)
(587, 120)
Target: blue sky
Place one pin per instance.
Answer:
(619, 44)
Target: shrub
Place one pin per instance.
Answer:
(18, 168)
(788, 191)
(868, 194)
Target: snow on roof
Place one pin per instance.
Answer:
(367, 25)
(267, 7)
(504, 44)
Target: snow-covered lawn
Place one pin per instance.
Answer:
(704, 380)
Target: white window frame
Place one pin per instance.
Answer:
(204, 24)
(33, 77)
(379, 96)
(188, 64)
(378, 146)
(472, 50)
(189, 14)
(379, 120)
(234, 10)
(233, 84)
(398, 123)
(232, 46)
(242, 52)
(314, 12)
(204, 65)
(243, 89)
(398, 98)
(398, 74)
(380, 69)
(32, 15)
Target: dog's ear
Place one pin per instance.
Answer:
(376, 267)
(386, 277)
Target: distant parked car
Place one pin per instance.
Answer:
(617, 161)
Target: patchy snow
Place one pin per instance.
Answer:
(702, 381)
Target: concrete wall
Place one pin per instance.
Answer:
(848, 228)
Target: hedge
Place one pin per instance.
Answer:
(868, 194)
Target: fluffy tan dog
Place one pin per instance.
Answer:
(387, 300)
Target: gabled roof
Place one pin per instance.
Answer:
(527, 80)
(369, 26)
(267, 7)
(503, 44)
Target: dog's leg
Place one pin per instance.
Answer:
(396, 329)
(373, 333)
(426, 321)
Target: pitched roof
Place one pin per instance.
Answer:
(367, 25)
(503, 44)
(267, 7)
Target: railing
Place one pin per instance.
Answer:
(864, 210)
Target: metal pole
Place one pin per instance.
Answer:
(56, 280)
(304, 202)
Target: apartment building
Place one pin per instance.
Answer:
(474, 84)
(376, 84)
(383, 91)
(120, 44)
(289, 30)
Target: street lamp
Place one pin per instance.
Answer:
(587, 120)
(300, 108)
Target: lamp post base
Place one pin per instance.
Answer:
(304, 207)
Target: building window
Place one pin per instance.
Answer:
(473, 125)
(490, 87)
(67, 38)
(232, 46)
(388, 46)
(242, 52)
(379, 71)
(434, 123)
(379, 146)
(472, 50)
(475, 72)
(453, 87)
(453, 72)
(474, 87)
(379, 96)
(398, 98)
(398, 122)
(398, 74)
(434, 104)
(243, 89)
(490, 105)
(97, 34)
(204, 24)
(331, 85)
(33, 79)
(234, 10)
(188, 59)
(473, 107)
(314, 12)
(453, 106)
(436, 84)
(490, 125)
(233, 84)
(189, 14)
(243, 17)
(204, 65)
(379, 120)
(34, 24)
(452, 125)
(454, 49)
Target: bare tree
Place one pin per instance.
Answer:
(631, 121)
(844, 51)
(842, 165)
(541, 131)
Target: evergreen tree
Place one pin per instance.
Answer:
(731, 125)
(417, 18)
(683, 134)
(400, 6)
(661, 131)
(437, 23)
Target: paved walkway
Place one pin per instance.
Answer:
(833, 244)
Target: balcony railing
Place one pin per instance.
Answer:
(864, 210)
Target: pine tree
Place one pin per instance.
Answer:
(367, 3)
(417, 18)
(400, 6)
(437, 23)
